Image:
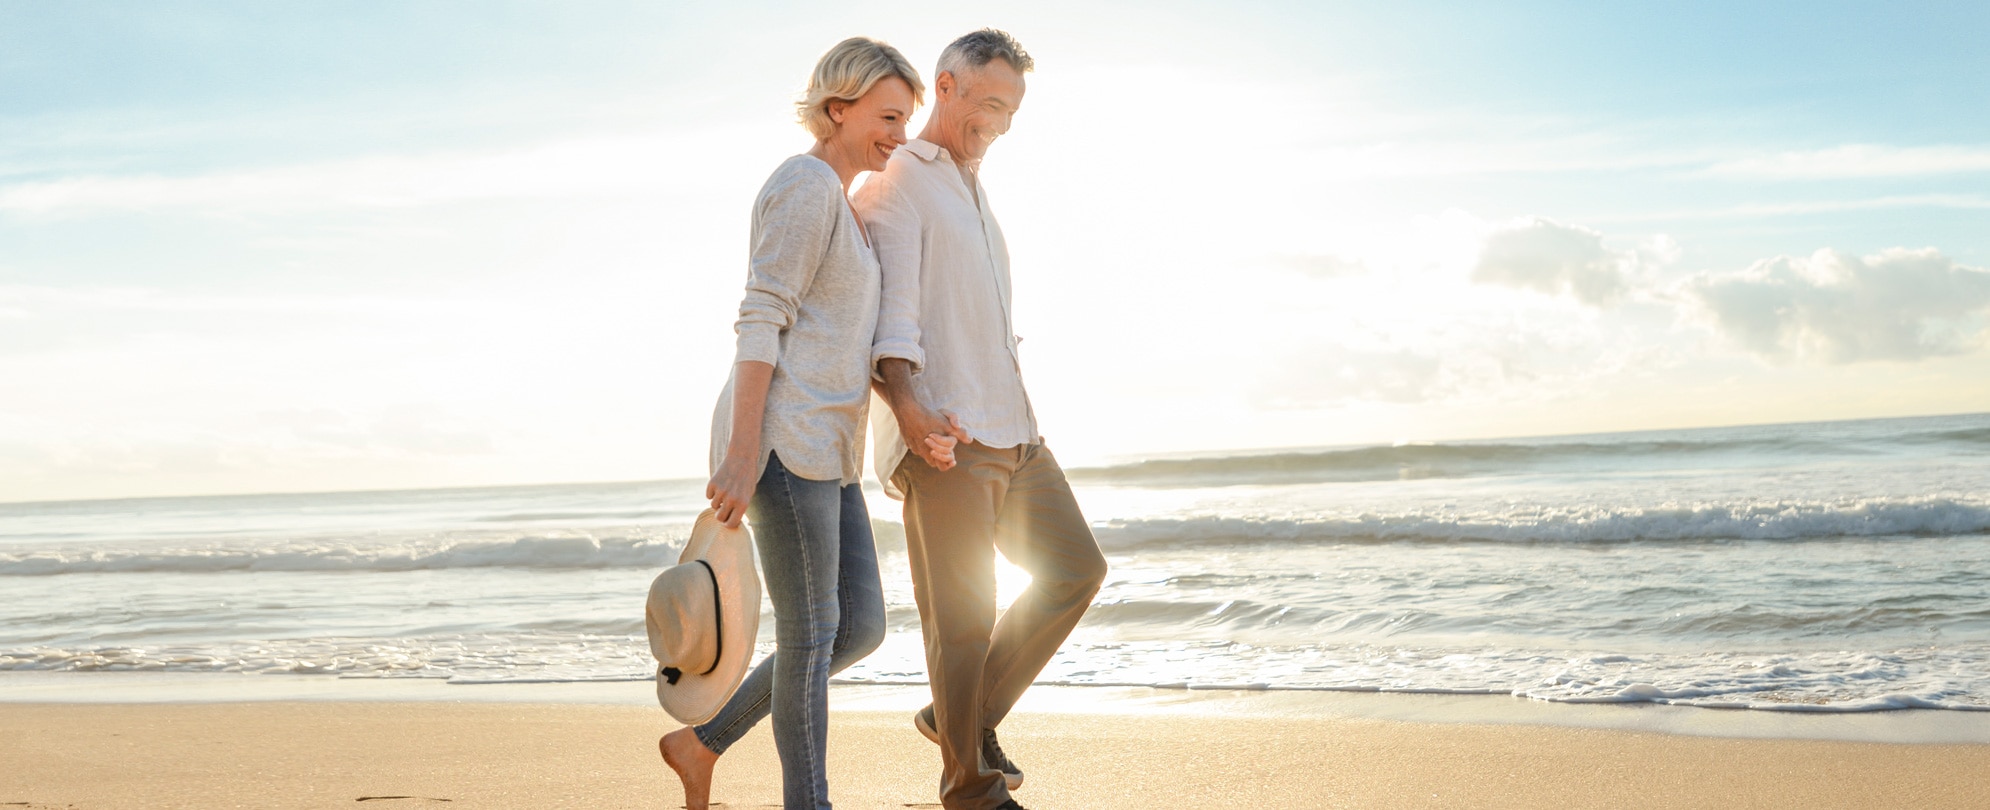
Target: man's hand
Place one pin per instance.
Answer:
(931, 434)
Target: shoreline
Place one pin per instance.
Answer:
(1898, 726)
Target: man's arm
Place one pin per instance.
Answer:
(893, 225)
(932, 434)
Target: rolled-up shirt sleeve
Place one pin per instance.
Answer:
(791, 235)
(895, 238)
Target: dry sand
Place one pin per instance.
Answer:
(512, 755)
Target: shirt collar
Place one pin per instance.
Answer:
(924, 149)
(929, 152)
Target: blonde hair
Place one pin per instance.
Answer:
(846, 73)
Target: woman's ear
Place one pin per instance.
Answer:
(837, 109)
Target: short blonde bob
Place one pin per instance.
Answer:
(846, 73)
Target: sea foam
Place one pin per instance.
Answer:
(1780, 520)
(523, 552)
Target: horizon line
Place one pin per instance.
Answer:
(1112, 462)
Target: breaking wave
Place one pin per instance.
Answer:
(1744, 521)
(1474, 459)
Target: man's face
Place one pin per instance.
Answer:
(978, 104)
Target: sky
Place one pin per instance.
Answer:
(253, 247)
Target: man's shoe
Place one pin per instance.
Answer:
(923, 721)
(991, 751)
(1010, 805)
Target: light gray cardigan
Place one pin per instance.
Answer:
(811, 311)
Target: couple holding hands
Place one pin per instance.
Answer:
(902, 289)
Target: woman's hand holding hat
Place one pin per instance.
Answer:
(731, 488)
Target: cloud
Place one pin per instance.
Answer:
(1323, 265)
(1547, 256)
(1837, 308)
(1858, 160)
(619, 165)
(402, 429)
(1332, 375)
(34, 456)
(22, 300)
(1964, 202)
(1471, 360)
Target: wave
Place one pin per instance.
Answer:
(523, 552)
(1835, 680)
(1402, 462)
(529, 517)
(1780, 520)
(1632, 693)
(1473, 459)
(1748, 521)
(1980, 435)
(1272, 620)
(478, 655)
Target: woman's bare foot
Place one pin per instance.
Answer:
(688, 756)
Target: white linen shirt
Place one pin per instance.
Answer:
(810, 311)
(945, 303)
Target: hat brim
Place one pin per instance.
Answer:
(696, 697)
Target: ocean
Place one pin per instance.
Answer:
(1822, 567)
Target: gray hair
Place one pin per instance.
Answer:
(977, 49)
(846, 73)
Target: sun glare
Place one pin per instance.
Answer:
(1010, 581)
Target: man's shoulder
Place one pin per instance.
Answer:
(914, 159)
(880, 188)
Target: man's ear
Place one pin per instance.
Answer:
(943, 85)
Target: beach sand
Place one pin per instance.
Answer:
(326, 754)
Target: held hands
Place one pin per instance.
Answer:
(731, 488)
(939, 451)
(933, 435)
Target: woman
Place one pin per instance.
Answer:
(787, 436)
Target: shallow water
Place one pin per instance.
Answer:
(1826, 567)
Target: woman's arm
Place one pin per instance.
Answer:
(794, 217)
(731, 488)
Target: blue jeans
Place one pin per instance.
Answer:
(821, 568)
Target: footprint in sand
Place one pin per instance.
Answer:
(399, 798)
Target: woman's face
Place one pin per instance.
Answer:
(873, 126)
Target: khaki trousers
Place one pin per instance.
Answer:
(1014, 499)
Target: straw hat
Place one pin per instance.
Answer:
(702, 618)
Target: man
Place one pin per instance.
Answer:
(945, 360)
